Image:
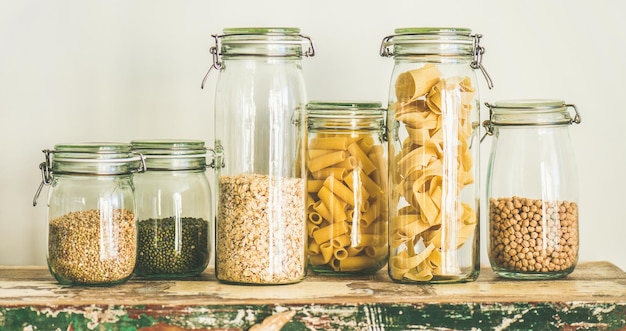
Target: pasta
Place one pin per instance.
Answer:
(352, 233)
(424, 97)
(326, 160)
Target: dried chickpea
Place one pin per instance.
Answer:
(533, 236)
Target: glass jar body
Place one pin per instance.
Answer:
(347, 204)
(433, 159)
(92, 235)
(174, 223)
(260, 230)
(533, 202)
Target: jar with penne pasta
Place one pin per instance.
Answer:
(433, 116)
(532, 189)
(346, 187)
(259, 112)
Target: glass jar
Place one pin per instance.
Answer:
(347, 187)
(532, 189)
(433, 164)
(92, 234)
(174, 209)
(259, 104)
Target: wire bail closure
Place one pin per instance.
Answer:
(217, 55)
(46, 170)
(489, 124)
(477, 53)
(477, 63)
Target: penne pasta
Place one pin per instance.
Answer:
(327, 160)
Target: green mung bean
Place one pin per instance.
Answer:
(167, 248)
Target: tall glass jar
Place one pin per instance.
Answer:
(532, 189)
(92, 234)
(433, 146)
(174, 209)
(347, 187)
(259, 104)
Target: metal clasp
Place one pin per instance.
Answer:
(478, 59)
(488, 124)
(576, 119)
(384, 50)
(217, 60)
(311, 51)
(46, 175)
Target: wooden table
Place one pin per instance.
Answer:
(593, 297)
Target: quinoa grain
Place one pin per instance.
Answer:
(92, 247)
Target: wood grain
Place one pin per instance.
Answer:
(593, 297)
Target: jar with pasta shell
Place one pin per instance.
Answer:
(433, 116)
(260, 99)
(346, 187)
(532, 187)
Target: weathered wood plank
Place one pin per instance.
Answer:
(592, 298)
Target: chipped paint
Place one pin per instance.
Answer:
(594, 298)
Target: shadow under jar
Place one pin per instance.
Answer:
(532, 189)
(92, 234)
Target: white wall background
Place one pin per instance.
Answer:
(116, 70)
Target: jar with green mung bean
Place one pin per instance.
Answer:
(92, 231)
(174, 209)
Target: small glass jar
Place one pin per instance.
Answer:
(433, 146)
(347, 187)
(174, 209)
(92, 234)
(259, 102)
(532, 189)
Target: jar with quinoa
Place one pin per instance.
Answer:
(174, 209)
(259, 101)
(92, 234)
(532, 189)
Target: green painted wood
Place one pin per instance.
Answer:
(518, 316)
(593, 298)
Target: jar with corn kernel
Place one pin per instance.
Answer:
(532, 190)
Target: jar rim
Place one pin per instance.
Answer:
(93, 158)
(452, 31)
(521, 112)
(149, 147)
(529, 104)
(285, 42)
(172, 154)
(287, 31)
(99, 148)
(448, 42)
(345, 109)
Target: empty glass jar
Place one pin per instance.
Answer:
(532, 189)
(174, 209)
(259, 105)
(92, 234)
(433, 154)
(347, 187)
